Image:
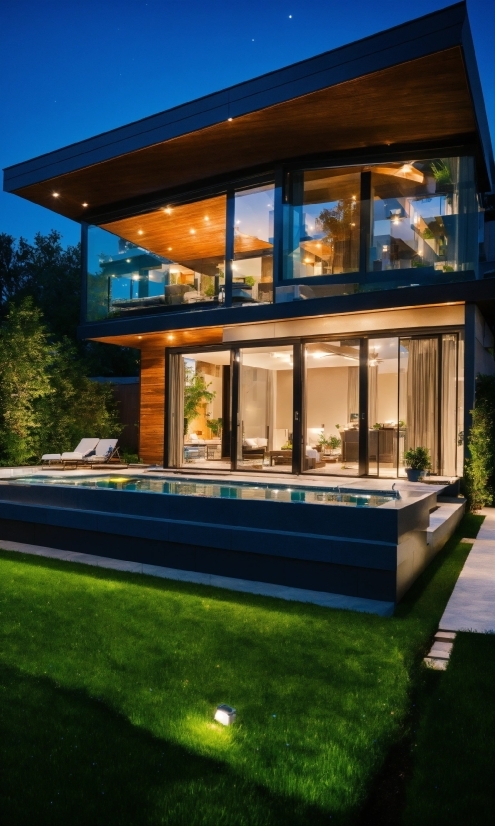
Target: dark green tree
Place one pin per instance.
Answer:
(51, 275)
(26, 361)
(46, 403)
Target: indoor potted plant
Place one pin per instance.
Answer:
(417, 461)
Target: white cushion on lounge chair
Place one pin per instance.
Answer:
(51, 457)
(103, 450)
(84, 447)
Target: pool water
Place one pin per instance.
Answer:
(221, 489)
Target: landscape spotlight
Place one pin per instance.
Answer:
(225, 715)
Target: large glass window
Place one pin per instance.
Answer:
(386, 431)
(424, 216)
(420, 225)
(265, 408)
(252, 268)
(321, 223)
(332, 407)
(199, 404)
(166, 258)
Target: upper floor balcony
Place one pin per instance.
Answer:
(295, 235)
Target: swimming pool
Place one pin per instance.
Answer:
(214, 488)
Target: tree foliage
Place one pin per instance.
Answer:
(25, 365)
(51, 275)
(479, 470)
(46, 403)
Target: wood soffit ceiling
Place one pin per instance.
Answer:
(158, 341)
(186, 233)
(421, 101)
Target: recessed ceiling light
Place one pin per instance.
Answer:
(85, 205)
(168, 210)
(169, 249)
(206, 218)
(140, 231)
(229, 119)
(192, 231)
(56, 194)
(170, 338)
(139, 336)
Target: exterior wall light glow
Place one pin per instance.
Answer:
(229, 119)
(225, 715)
(168, 210)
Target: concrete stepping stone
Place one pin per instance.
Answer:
(437, 664)
(445, 636)
(441, 650)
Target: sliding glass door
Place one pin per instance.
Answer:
(265, 409)
(412, 402)
(346, 407)
(386, 428)
(199, 405)
(331, 420)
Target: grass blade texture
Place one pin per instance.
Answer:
(109, 683)
(454, 751)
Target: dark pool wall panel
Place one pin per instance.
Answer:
(316, 547)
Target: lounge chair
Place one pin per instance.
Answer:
(105, 451)
(84, 448)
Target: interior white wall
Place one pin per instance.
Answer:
(387, 389)
(326, 400)
(283, 417)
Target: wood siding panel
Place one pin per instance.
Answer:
(152, 406)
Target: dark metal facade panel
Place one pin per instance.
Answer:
(464, 291)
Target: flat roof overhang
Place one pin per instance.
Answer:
(411, 86)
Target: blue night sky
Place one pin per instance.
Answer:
(72, 70)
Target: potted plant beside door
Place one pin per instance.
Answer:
(417, 461)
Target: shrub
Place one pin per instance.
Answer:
(479, 468)
(418, 458)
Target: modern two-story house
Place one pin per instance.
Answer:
(301, 259)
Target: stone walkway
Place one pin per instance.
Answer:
(471, 606)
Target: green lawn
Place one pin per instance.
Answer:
(454, 745)
(109, 683)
